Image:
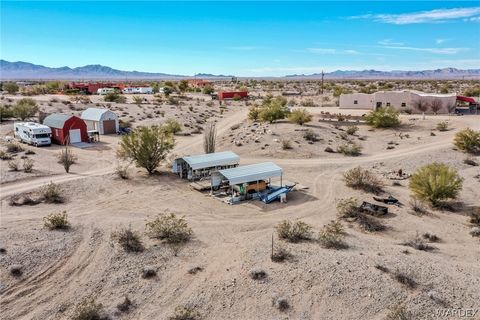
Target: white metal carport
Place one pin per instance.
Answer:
(202, 165)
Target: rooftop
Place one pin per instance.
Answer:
(94, 114)
(253, 172)
(212, 159)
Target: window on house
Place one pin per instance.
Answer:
(388, 104)
(355, 101)
(404, 104)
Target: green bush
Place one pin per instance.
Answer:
(274, 109)
(383, 118)
(442, 126)
(254, 113)
(300, 116)
(352, 129)
(332, 236)
(52, 193)
(6, 112)
(435, 182)
(56, 221)
(172, 126)
(25, 108)
(358, 178)
(169, 228)
(11, 87)
(294, 231)
(468, 140)
(115, 97)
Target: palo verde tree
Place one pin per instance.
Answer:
(146, 146)
(274, 109)
(25, 108)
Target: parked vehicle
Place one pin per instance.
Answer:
(33, 133)
(104, 91)
(141, 90)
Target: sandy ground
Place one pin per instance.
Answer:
(62, 268)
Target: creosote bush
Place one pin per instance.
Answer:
(56, 221)
(286, 144)
(88, 309)
(14, 148)
(169, 228)
(294, 231)
(300, 116)
(280, 255)
(351, 130)
(435, 182)
(13, 165)
(468, 140)
(172, 126)
(51, 193)
(348, 208)
(185, 313)
(350, 149)
(28, 165)
(363, 179)
(383, 118)
(442, 126)
(281, 303)
(332, 236)
(128, 239)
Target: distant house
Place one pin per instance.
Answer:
(92, 87)
(66, 128)
(199, 83)
(400, 100)
(223, 95)
(102, 120)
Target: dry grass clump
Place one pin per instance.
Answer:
(404, 279)
(169, 228)
(148, 272)
(126, 305)
(28, 165)
(418, 207)
(349, 210)
(474, 214)
(468, 140)
(430, 237)
(351, 130)
(470, 161)
(281, 303)
(363, 179)
(350, 149)
(442, 126)
(294, 231)
(310, 135)
(13, 165)
(22, 200)
(128, 239)
(399, 312)
(257, 274)
(88, 309)
(185, 313)
(286, 144)
(14, 148)
(382, 268)
(280, 255)
(418, 243)
(16, 270)
(51, 193)
(370, 224)
(56, 221)
(332, 236)
(195, 270)
(122, 172)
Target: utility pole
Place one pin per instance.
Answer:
(321, 90)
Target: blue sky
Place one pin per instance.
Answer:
(243, 38)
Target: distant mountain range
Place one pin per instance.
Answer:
(28, 71)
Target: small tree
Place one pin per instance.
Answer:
(10, 87)
(208, 90)
(421, 105)
(25, 108)
(210, 138)
(146, 146)
(172, 126)
(67, 158)
(274, 109)
(300, 116)
(468, 140)
(183, 85)
(167, 91)
(383, 118)
(435, 182)
(436, 105)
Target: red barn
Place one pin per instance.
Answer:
(222, 95)
(66, 128)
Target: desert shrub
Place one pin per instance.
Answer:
(430, 237)
(274, 109)
(146, 146)
(257, 274)
(51, 193)
(28, 165)
(254, 113)
(435, 182)
(185, 313)
(172, 126)
(13, 165)
(363, 179)
(115, 97)
(310, 135)
(148, 272)
(281, 303)
(300, 116)
(294, 231)
(5, 156)
(350, 149)
(137, 100)
(418, 207)
(418, 243)
(210, 138)
(16, 270)
(329, 150)
(25, 108)
(280, 254)
(369, 223)
(21, 200)
(67, 158)
(332, 236)
(29, 152)
(404, 279)
(348, 208)
(475, 232)
(126, 305)
(470, 161)
(195, 270)
(468, 140)
(351, 130)
(474, 214)
(399, 312)
(442, 126)
(11, 87)
(122, 171)
(169, 228)
(383, 118)
(88, 309)
(286, 144)
(128, 239)
(14, 148)
(55, 221)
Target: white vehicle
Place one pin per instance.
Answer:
(104, 91)
(141, 90)
(33, 133)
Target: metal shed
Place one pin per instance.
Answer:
(203, 165)
(102, 120)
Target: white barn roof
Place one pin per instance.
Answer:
(212, 160)
(94, 114)
(253, 172)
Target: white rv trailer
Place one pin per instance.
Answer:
(142, 90)
(33, 133)
(104, 91)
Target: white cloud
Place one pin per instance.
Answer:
(440, 41)
(432, 16)
(331, 51)
(390, 42)
(430, 50)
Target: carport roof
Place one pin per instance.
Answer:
(212, 160)
(253, 172)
